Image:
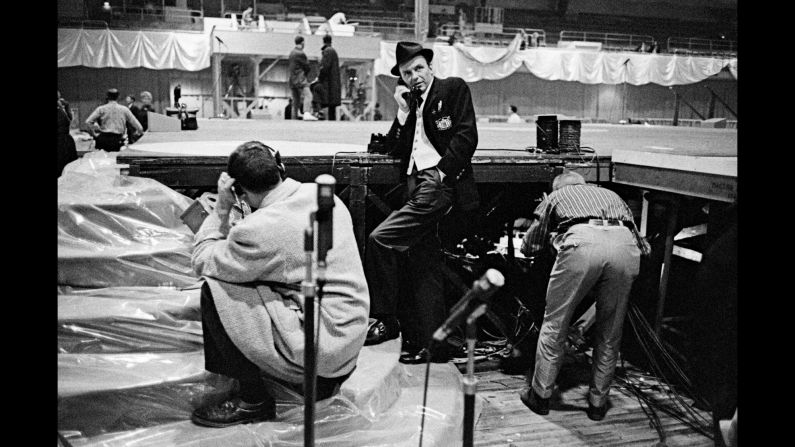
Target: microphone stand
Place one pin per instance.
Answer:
(308, 289)
(470, 381)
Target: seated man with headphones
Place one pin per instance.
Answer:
(252, 309)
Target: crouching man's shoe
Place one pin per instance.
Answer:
(596, 413)
(380, 330)
(533, 401)
(234, 411)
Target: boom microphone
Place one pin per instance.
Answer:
(323, 216)
(481, 293)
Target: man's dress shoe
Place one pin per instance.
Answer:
(232, 412)
(533, 401)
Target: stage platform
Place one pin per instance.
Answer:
(192, 160)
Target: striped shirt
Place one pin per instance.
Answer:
(113, 118)
(565, 206)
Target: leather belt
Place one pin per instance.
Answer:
(606, 222)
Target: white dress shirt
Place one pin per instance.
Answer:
(423, 155)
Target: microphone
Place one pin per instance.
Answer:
(323, 216)
(481, 293)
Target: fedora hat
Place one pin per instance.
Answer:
(405, 51)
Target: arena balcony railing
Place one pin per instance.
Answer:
(702, 47)
(155, 17)
(388, 29)
(533, 37)
(609, 41)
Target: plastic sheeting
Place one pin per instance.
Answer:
(121, 231)
(556, 64)
(130, 357)
(97, 162)
(131, 371)
(159, 416)
(130, 49)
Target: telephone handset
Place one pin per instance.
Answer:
(410, 96)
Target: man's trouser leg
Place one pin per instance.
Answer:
(307, 95)
(221, 356)
(110, 142)
(332, 113)
(296, 92)
(402, 233)
(570, 280)
(612, 297)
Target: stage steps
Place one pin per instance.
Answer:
(116, 388)
(130, 358)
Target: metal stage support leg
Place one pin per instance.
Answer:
(670, 232)
(358, 206)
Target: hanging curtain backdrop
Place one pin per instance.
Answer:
(132, 49)
(555, 64)
(191, 52)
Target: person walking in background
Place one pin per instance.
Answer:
(513, 117)
(329, 78)
(108, 123)
(67, 151)
(298, 69)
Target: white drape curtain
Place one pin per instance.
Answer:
(555, 64)
(191, 52)
(132, 49)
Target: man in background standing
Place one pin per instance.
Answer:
(329, 78)
(110, 120)
(67, 151)
(177, 95)
(139, 110)
(298, 69)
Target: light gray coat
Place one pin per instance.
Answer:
(266, 323)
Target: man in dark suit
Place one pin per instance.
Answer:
(329, 78)
(435, 136)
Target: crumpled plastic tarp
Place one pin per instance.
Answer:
(159, 416)
(121, 231)
(130, 357)
(131, 370)
(95, 162)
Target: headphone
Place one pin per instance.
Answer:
(278, 158)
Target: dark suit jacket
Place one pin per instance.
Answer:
(329, 77)
(298, 68)
(449, 122)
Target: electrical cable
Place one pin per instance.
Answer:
(678, 408)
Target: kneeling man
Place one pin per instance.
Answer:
(252, 310)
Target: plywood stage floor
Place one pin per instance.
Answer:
(603, 138)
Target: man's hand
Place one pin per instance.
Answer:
(226, 198)
(402, 104)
